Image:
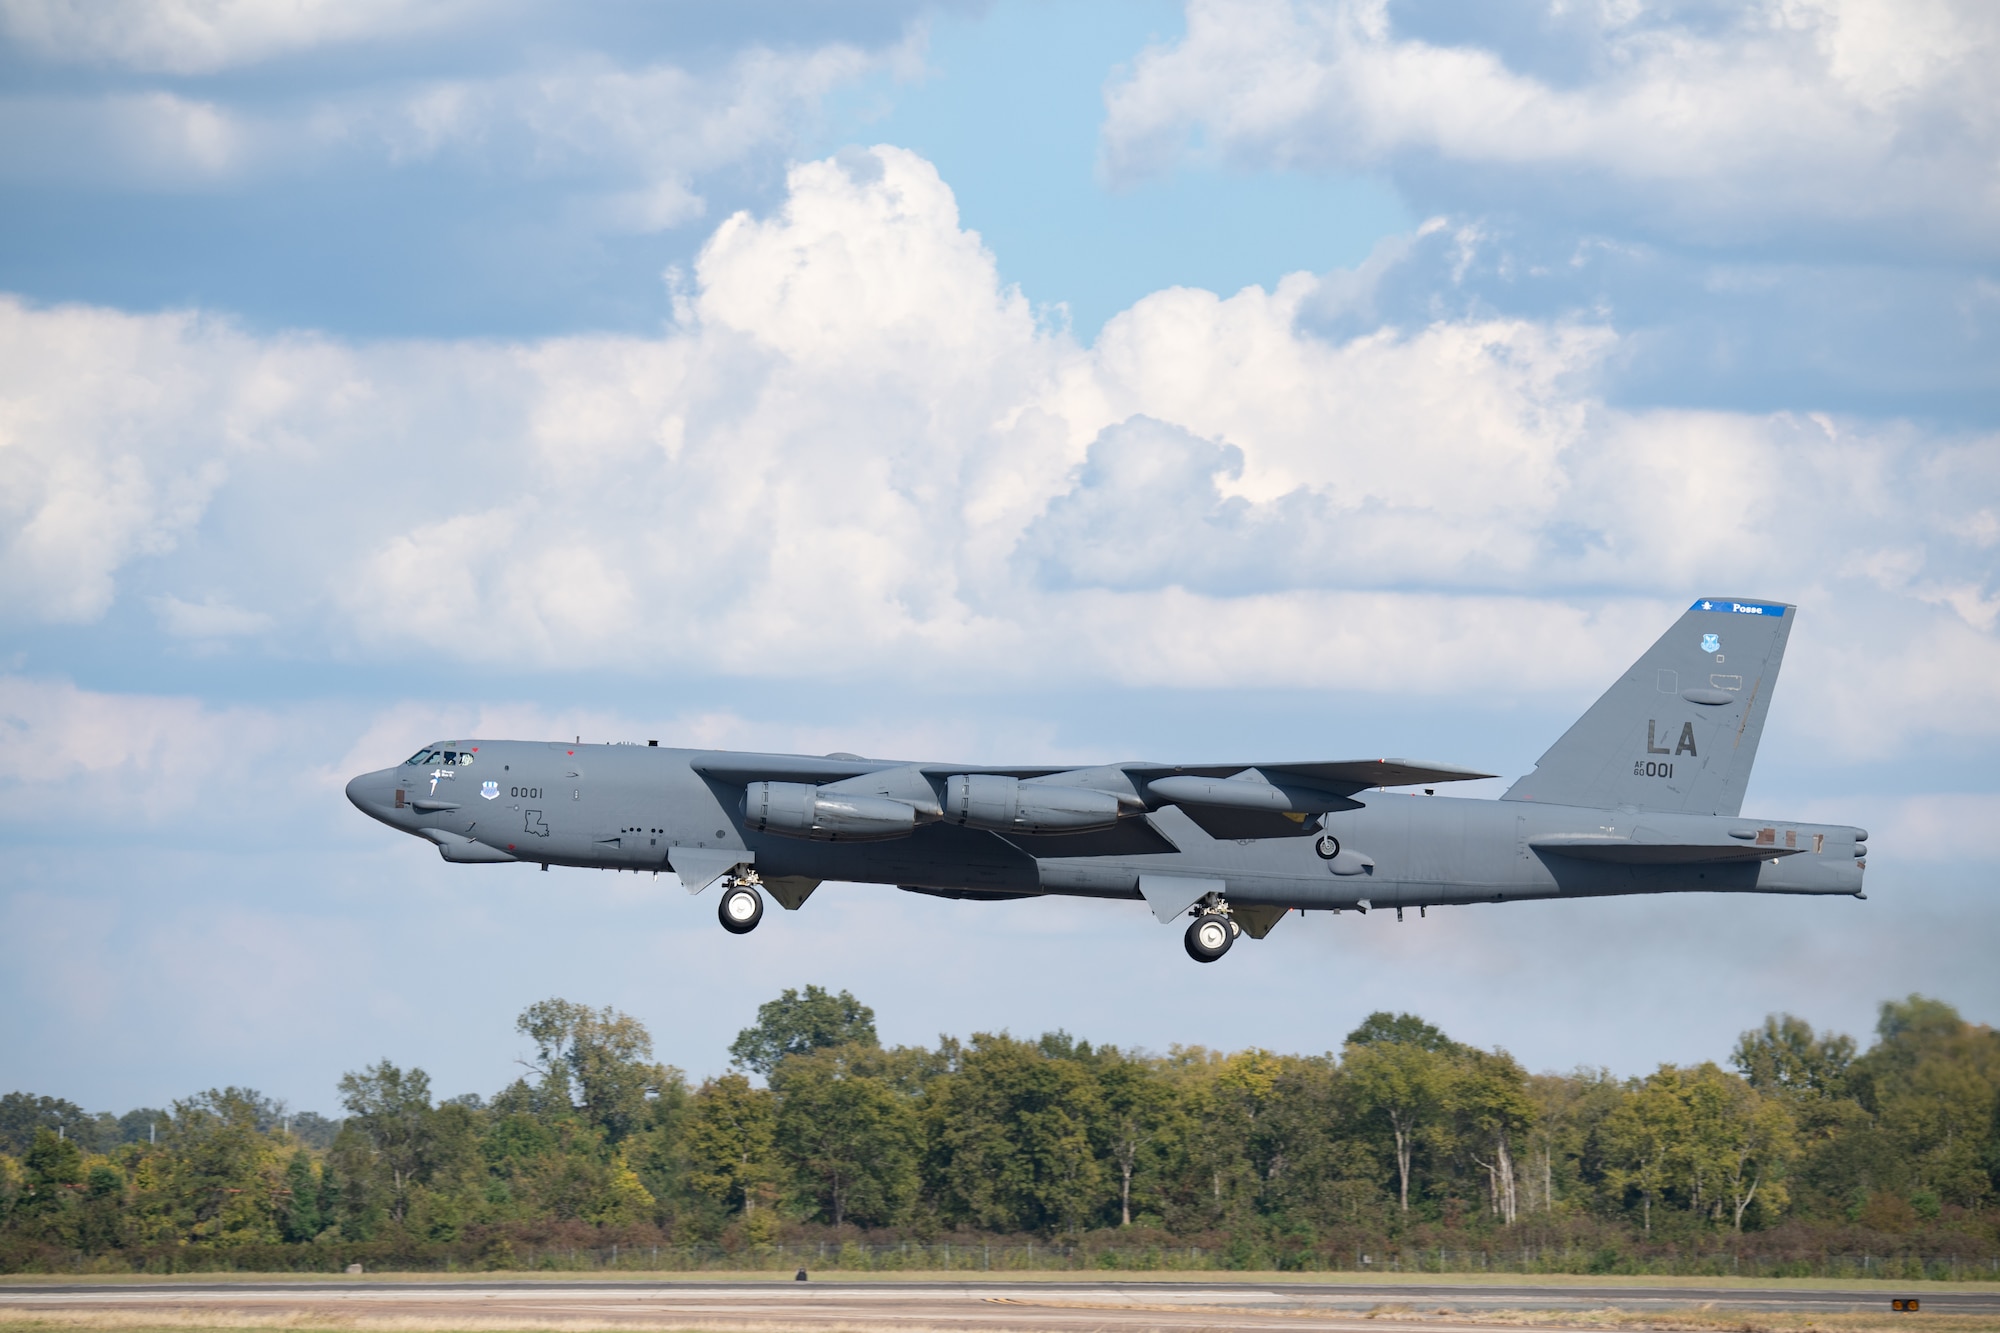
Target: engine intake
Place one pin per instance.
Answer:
(1009, 805)
(801, 810)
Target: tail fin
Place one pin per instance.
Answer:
(1679, 730)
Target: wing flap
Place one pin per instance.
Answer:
(1229, 824)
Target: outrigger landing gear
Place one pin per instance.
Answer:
(741, 908)
(1212, 932)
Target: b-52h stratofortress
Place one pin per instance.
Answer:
(1641, 795)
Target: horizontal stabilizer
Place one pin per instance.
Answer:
(1652, 852)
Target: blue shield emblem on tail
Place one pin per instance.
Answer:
(1711, 643)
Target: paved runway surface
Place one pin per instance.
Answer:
(986, 1306)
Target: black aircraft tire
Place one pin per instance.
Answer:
(738, 916)
(1209, 937)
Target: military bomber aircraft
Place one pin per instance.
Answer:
(1641, 795)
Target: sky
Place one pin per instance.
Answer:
(1012, 382)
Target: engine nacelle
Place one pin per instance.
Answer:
(801, 810)
(1009, 805)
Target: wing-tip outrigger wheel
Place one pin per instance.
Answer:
(741, 908)
(1210, 936)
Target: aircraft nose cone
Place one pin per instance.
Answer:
(366, 793)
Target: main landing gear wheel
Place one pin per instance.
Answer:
(1210, 937)
(740, 910)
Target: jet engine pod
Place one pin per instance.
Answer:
(800, 810)
(1009, 805)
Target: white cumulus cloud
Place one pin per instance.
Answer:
(859, 452)
(1717, 122)
(203, 36)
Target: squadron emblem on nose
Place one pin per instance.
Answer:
(489, 791)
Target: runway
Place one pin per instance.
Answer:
(990, 1307)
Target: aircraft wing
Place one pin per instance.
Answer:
(1341, 775)
(1240, 800)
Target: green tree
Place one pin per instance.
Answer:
(1754, 1141)
(597, 1060)
(22, 1114)
(1222, 1102)
(1645, 1137)
(142, 1125)
(1566, 1145)
(1011, 1138)
(302, 1219)
(1402, 1085)
(728, 1144)
(796, 1023)
(1137, 1107)
(1932, 1081)
(1708, 1138)
(49, 1207)
(392, 1110)
(1785, 1056)
(1401, 1029)
(223, 1176)
(1486, 1097)
(851, 1140)
(53, 1172)
(625, 1198)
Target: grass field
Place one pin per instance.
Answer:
(1388, 1315)
(1052, 1277)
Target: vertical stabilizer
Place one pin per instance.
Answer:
(1679, 730)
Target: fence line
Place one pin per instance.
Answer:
(1039, 1256)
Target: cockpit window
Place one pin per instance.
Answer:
(429, 756)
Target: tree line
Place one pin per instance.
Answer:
(1403, 1141)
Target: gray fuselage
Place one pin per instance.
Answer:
(644, 808)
